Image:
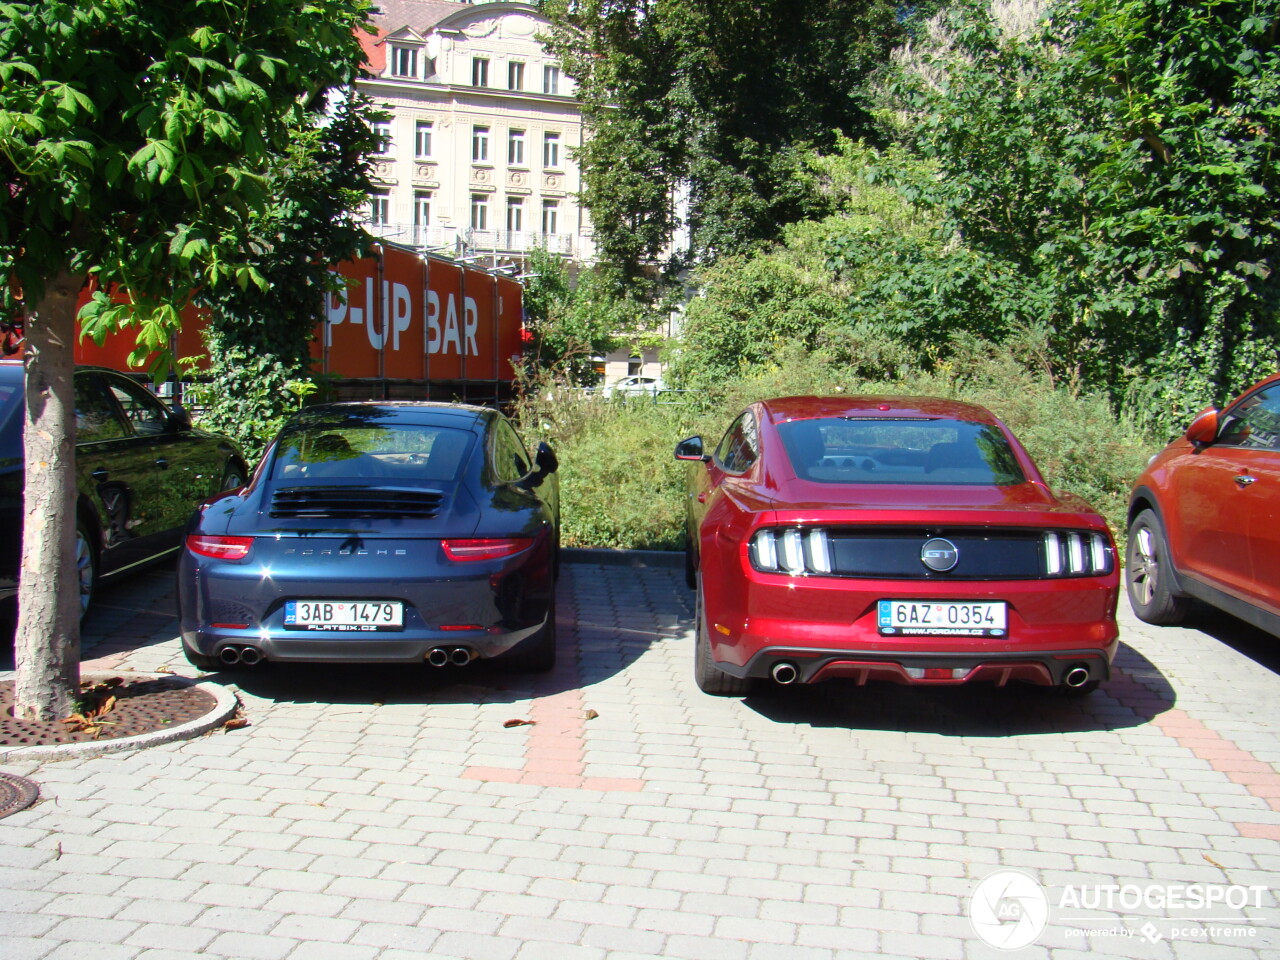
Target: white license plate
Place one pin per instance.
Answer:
(932, 618)
(344, 614)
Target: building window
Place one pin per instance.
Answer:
(422, 131)
(515, 75)
(551, 79)
(515, 148)
(551, 150)
(479, 211)
(422, 208)
(479, 144)
(515, 214)
(382, 136)
(404, 61)
(380, 207)
(479, 71)
(550, 216)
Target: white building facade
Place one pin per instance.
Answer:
(476, 154)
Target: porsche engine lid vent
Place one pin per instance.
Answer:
(355, 503)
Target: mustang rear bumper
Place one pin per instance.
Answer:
(810, 665)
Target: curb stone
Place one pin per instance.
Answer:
(623, 558)
(225, 704)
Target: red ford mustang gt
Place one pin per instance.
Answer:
(906, 539)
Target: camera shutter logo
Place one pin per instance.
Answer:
(1008, 910)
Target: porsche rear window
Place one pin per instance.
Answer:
(395, 452)
(915, 450)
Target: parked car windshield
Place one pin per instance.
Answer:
(397, 451)
(899, 450)
(10, 412)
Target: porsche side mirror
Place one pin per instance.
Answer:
(545, 458)
(690, 449)
(545, 461)
(1204, 428)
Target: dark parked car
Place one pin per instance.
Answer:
(1204, 517)
(904, 539)
(379, 533)
(140, 469)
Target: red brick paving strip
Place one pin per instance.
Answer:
(1239, 766)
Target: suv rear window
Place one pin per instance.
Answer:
(900, 450)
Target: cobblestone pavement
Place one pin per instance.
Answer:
(390, 814)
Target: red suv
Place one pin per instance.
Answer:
(906, 539)
(1204, 517)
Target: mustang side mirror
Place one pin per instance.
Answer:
(1204, 428)
(690, 449)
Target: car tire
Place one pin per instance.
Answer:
(1147, 573)
(709, 678)
(201, 662)
(538, 653)
(86, 567)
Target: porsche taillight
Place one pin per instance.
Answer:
(493, 548)
(219, 548)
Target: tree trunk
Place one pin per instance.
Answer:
(47, 645)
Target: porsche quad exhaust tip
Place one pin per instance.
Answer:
(443, 656)
(246, 656)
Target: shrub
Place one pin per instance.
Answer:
(622, 488)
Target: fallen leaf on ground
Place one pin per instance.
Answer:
(590, 715)
(519, 723)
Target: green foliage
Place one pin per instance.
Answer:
(1112, 169)
(135, 139)
(622, 487)
(573, 319)
(258, 340)
(248, 395)
(619, 485)
(718, 97)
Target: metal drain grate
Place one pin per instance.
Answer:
(16, 794)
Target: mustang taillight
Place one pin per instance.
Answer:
(488, 549)
(791, 550)
(1069, 553)
(219, 548)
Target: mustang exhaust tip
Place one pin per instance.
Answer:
(230, 656)
(460, 656)
(438, 656)
(1077, 676)
(785, 673)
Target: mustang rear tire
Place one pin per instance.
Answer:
(706, 675)
(1146, 573)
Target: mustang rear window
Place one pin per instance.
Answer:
(914, 450)
(405, 452)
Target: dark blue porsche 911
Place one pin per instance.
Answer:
(379, 533)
